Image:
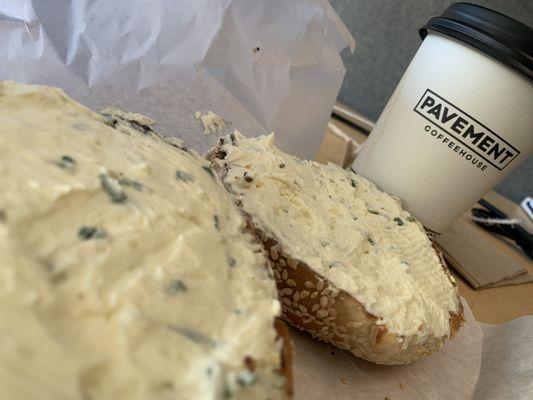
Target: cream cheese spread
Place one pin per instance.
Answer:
(124, 272)
(212, 123)
(347, 231)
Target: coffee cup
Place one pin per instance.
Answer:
(461, 118)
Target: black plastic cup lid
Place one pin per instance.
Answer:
(498, 36)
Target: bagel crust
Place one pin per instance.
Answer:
(312, 304)
(313, 298)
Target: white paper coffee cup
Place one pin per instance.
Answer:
(458, 122)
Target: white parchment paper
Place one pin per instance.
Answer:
(484, 362)
(275, 62)
(507, 361)
(323, 372)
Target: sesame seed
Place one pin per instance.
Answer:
(291, 282)
(323, 302)
(308, 320)
(345, 337)
(287, 301)
(326, 291)
(315, 307)
(343, 346)
(296, 296)
(343, 329)
(320, 285)
(274, 254)
(286, 291)
(284, 274)
(304, 294)
(277, 275)
(309, 284)
(331, 300)
(321, 313)
(333, 312)
(302, 308)
(282, 262)
(314, 294)
(292, 263)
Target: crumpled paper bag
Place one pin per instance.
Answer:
(275, 60)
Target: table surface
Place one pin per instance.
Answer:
(492, 305)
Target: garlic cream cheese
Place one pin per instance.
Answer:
(124, 270)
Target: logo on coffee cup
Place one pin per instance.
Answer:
(466, 130)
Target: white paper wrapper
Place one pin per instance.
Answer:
(274, 65)
(484, 362)
(323, 372)
(507, 361)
